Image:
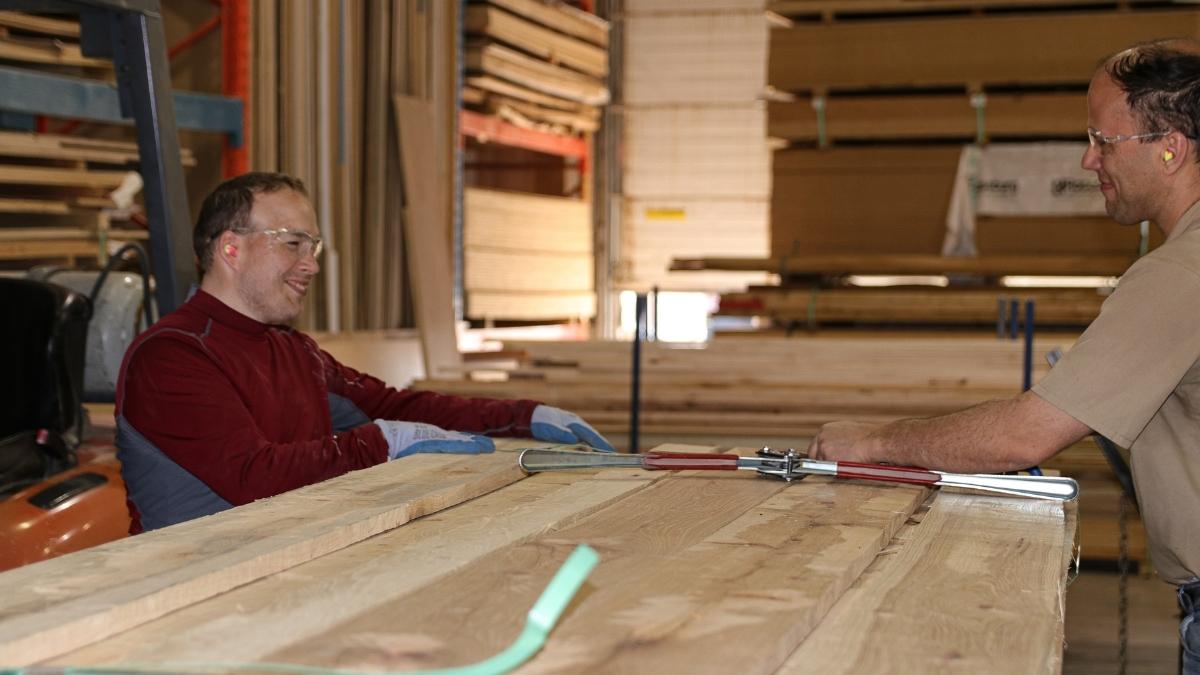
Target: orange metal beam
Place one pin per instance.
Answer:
(235, 78)
(488, 129)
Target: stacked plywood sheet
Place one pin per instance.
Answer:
(941, 74)
(790, 576)
(527, 257)
(536, 65)
(696, 165)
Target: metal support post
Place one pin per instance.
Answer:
(635, 393)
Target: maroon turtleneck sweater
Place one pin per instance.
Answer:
(243, 405)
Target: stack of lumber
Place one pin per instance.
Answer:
(55, 198)
(911, 80)
(809, 577)
(696, 166)
(767, 391)
(536, 65)
(527, 256)
(778, 392)
(56, 191)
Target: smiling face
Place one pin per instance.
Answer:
(273, 277)
(1131, 186)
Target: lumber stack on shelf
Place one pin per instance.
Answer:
(879, 72)
(791, 558)
(56, 191)
(536, 65)
(56, 196)
(527, 257)
(696, 166)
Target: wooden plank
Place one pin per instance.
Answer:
(992, 265)
(556, 47)
(851, 7)
(560, 16)
(1076, 307)
(25, 250)
(60, 177)
(426, 551)
(988, 49)
(11, 205)
(533, 116)
(498, 60)
(488, 83)
(72, 601)
(933, 603)
(39, 24)
(526, 222)
(939, 116)
(52, 52)
(50, 146)
(426, 234)
(762, 562)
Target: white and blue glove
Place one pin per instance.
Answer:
(559, 426)
(410, 438)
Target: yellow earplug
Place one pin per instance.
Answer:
(1168, 155)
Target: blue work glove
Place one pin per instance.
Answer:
(410, 438)
(559, 426)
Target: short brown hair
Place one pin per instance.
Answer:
(228, 208)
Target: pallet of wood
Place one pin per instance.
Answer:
(536, 65)
(793, 577)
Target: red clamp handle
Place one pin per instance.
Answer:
(896, 474)
(679, 461)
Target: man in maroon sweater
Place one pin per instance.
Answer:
(220, 403)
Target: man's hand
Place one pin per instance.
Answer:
(559, 426)
(410, 438)
(846, 442)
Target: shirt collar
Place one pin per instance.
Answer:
(1189, 221)
(226, 315)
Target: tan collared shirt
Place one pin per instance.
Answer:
(1134, 376)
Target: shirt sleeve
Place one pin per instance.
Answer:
(181, 401)
(1133, 355)
(494, 417)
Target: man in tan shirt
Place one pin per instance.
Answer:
(1134, 375)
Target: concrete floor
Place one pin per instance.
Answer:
(1091, 625)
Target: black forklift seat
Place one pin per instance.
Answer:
(43, 349)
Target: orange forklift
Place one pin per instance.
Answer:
(60, 483)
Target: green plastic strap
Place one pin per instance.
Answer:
(538, 624)
(818, 104)
(979, 103)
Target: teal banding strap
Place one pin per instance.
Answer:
(979, 103)
(538, 624)
(818, 104)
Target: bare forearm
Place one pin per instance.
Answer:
(993, 436)
(971, 440)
